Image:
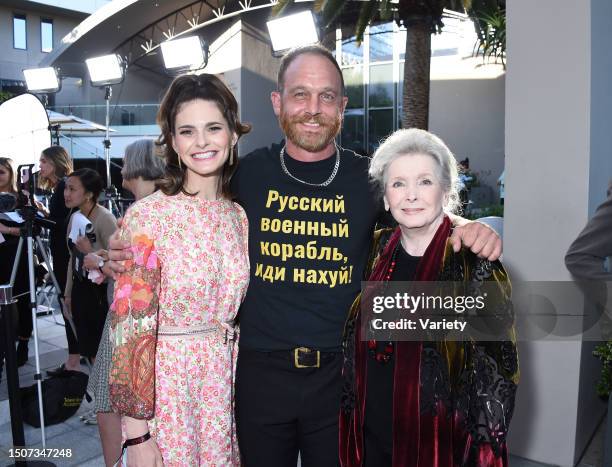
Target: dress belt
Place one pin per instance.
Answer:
(225, 329)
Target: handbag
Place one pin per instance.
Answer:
(62, 396)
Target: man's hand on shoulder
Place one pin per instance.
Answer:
(118, 251)
(481, 239)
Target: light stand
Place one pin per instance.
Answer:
(104, 72)
(110, 192)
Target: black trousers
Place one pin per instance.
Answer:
(60, 269)
(89, 309)
(282, 410)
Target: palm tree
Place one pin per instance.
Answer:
(421, 18)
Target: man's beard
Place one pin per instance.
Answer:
(311, 142)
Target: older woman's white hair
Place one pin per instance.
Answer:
(414, 141)
(142, 159)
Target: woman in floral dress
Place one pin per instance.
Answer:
(172, 329)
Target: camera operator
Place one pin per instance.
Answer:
(8, 250)
(55, 165)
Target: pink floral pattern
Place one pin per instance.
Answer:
(189, 269)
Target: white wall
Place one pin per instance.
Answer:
(551, 156)
(259, 70)
(468, 114)
(13, 61)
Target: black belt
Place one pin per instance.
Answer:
(301, 357)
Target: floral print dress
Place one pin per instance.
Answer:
(172, 335)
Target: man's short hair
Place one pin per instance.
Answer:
(314, 49)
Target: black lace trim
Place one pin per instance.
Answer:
(486, 400)
(349, 390)
(435, 382)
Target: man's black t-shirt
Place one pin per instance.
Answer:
(307, 246)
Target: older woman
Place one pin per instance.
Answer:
(413, 403)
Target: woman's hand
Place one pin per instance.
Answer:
(144, 455)
(41, 207)
(91, 262)
(84, 245)
(5, 230)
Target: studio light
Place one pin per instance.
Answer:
(106, 70)
(42, 80)
(188, 53)
(293, 31)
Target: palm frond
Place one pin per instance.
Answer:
(331, 9)
(386, 11)
(367, 13)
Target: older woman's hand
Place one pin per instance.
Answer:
(481, 239)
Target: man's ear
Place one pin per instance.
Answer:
(275, 97)
(344, 103)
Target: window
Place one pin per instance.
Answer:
(46, 35)
(19, 32)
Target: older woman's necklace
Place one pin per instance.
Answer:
(387, 351)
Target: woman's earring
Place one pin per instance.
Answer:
(231, 156)
(179, 161)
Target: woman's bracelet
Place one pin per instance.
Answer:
(135, 441)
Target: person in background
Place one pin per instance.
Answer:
(445, 402)
(86, 300)
(586, 256)
(55, 165)
(142, 168)
(8, 250)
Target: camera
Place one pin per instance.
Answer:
(23, 203)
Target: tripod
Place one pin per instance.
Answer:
(29, 232)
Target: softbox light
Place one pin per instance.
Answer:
(24, 129)
(292, 31)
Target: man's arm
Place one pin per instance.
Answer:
(586, 255)
(481, 239)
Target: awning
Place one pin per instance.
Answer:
(69, 124)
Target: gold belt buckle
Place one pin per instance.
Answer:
(296, 353)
